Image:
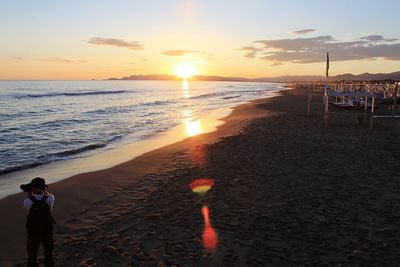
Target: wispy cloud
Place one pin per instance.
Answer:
(52, 59)
(300, 32)
(116, 42)
(251, 51)
(378, 38)
(177, 53)
(312, 50)
(62, 60)
(133, 69)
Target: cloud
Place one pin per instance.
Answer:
(276, 64)
(116, 42)
(373, 38)
(177, 53)
(62, 60)
(132, 69)
(313, 49)
(251, 51)
(18, 58)
(300, 32)
(377, 38)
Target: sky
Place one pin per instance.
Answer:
(99, 39)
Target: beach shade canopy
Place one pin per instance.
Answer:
(201, 186)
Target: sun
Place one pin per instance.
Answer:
(186, 70)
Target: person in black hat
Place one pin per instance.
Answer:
(39, 204)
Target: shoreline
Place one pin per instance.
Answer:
(110, 157)
(140, 165)
(67, 137)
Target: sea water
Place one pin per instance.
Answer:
(47, 121)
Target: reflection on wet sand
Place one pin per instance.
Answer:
(193, 127)
(209, 236)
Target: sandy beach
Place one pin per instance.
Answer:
(288, 191)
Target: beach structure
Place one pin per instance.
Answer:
(359, 94)
(353, 96)
(388, 97)
(364, 95)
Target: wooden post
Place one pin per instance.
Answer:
(336, 90)
(366, 102)
(309, 100)
(326, 101)
(384, 91)
(373, 105)
(394, 99)
(341, 90)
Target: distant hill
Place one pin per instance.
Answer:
(368, 76)
(286, 78)
(147, 77)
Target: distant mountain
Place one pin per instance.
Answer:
(286, 78)
(368, 76)
(147, 77)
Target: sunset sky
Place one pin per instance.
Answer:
(85, 39)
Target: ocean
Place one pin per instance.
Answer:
(47, 121)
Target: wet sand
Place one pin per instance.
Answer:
(288, 192)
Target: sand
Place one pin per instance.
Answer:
(289, 191)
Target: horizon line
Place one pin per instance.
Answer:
(170, 77)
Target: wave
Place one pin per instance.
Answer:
(227, 93)
(71, 152)
(73, 94)
(45, 159)
(230, 97)
(124, 109)
(211, 95)
(10, 169)
(63, 122)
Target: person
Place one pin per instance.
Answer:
(39, 205)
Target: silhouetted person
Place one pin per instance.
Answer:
(39, 204)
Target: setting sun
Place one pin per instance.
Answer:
(186, 70)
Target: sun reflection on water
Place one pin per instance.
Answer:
(185, 88)
(193, 126)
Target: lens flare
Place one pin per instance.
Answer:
(201, 186)
(210, 238)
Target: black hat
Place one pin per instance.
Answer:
(38, 183)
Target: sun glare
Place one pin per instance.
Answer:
(186, 70)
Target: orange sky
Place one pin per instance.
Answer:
(97, 40)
